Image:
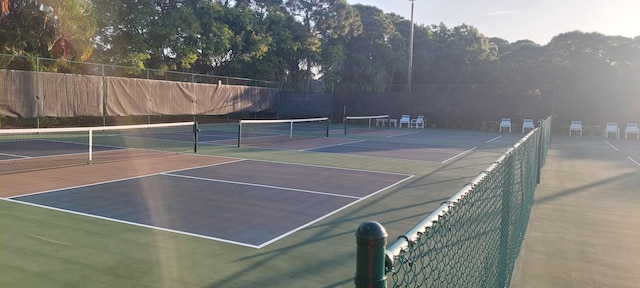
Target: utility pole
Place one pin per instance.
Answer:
(410, 69)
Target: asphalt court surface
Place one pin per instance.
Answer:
(244, 202)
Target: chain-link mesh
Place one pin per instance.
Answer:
(473, 239)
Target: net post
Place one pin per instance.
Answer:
(291, 130)
(239, 132)
(371, 239)
(328, 122)
(90, 145)
(196, 131)
(344, 121)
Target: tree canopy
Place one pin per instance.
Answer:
(353, 46)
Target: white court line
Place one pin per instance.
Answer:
(14, 155)
(123, 179)
(329, 167)
(632, 160)
(262, 185)
(334, 145)
(496, 138)
(617, 149)
(459, 155)
(331, 213)
(132, 223)
(403, 134)
(612, 146)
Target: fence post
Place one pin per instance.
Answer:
(371, 239)
(540, 142)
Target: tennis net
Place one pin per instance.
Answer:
(359, 124)
(256, 132)
(33, 149)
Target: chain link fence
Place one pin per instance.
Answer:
(471, 240)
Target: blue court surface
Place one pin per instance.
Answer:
(245, 202)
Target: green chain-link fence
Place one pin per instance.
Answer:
(471, 240)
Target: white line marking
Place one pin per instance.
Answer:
(496, 138)
(331, 213)
(634, 161)
(614, 147)
(122, 179)
(336, 168)
(403, 134)
(133, 223)
(459, 155)
(262, 185)
(334, 145)
(14, 155)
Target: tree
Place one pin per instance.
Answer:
(48, 28)
(577, 57)
(519, 63)
(193, 35)
(459, 51)
(283, 55)
(4, 10)
(322, 19)
(369, 60)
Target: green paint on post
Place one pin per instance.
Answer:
(371, 239)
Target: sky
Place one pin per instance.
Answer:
(513, 20)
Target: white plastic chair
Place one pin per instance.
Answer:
(505, 123)
(528, 124)
(632, 128)
(405, 119)
(418, 122)
(575, 126)
(612, 127)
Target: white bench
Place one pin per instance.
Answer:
(612, 127)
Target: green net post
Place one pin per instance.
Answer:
(328, 126)
(344, 122)
(196, 131)
(371, 239)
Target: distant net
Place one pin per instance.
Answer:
(256, 132)
(361, 124)
(33, 149)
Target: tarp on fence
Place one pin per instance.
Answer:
(27, 94)
(69, 95)
(18, 94)
(134, 97)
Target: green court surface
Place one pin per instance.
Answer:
(42, 247)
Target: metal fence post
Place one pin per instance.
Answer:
(371, 238)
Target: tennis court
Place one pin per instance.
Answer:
(176, 218)
(250, 203)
